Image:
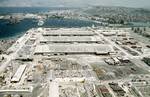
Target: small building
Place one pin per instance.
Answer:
(123, 59)
(109, 33)
(30, 78)
(116, 60)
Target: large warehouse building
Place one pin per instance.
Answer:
(99, 49)
(70, 39)
(17, 76)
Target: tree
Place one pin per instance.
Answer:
(144, 29)
(138, 29)
(135, 30)
(132, 28)
(121, 21)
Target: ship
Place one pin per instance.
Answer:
(40, 22)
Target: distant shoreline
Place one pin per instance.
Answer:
(7, 42)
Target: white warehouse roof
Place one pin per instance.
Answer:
(74, 48)
(18, 73)
(70, 39)
(68, 32)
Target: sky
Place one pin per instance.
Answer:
(74, 3)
